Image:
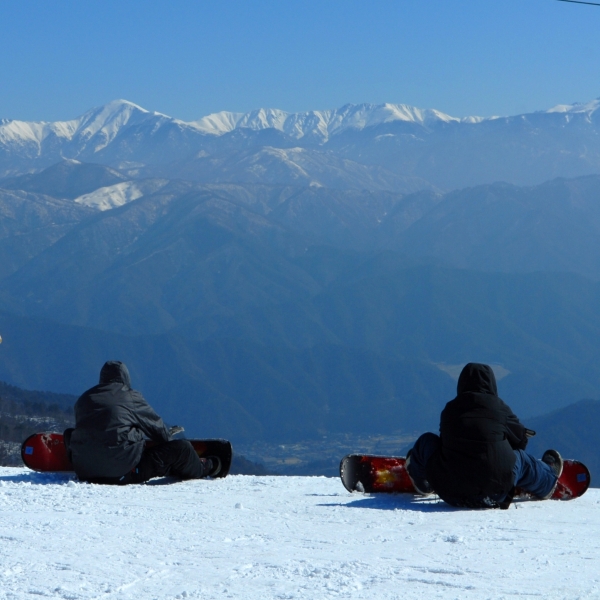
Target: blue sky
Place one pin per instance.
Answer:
(187, 59)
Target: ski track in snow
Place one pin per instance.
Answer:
(283, 537)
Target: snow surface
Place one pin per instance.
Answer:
(283, 537)
(111, 196)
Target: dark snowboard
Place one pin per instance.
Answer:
(387, 474)
(46, 452)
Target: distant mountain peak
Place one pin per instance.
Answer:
(104, 121)
(577, 107)
(107, 120)
(121, 103)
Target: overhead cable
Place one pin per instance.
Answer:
(581, 2)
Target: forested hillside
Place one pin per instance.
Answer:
(268, 290)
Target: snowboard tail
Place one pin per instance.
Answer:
(375, 474)
(387, 474)
(46, 452)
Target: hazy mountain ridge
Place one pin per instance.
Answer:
(574, 430)
(551, 227)
(66, 179)
(300, 310)
(295, 307)
(394, 145)
(293, 166)
(497, 227)
(30, 223)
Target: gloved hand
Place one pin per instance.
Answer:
(175, 430)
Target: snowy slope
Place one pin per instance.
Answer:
(283, 537)
(588, 108)
(112, 196)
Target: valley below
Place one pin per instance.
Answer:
(304, 292)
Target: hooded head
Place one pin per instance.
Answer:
(115, 371)
(477, 378)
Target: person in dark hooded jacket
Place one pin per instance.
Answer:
(113, 423)
(479, 457)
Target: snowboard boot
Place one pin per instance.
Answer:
(421, 487)
(554, 460)
(212, 466)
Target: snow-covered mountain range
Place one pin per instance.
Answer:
(108, 120)
(402, 148)
(99, 126)
(324, 124)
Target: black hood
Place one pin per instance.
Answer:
(115, 371)
(477, 378)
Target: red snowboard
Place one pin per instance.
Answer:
(387, 474)
(46, 452)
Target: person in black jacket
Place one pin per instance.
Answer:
(113, 423)
(479, 457)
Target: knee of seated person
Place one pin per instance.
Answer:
(181, 444)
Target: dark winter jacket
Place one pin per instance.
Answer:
(479, 433)
(112, 422)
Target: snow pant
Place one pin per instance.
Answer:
(533, 475)
(529, 473)
(420, 453)
(176, 458)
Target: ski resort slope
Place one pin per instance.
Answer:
(283, 537)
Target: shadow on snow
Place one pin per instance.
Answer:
(38, 478)
(398, 502)
(61, 478)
